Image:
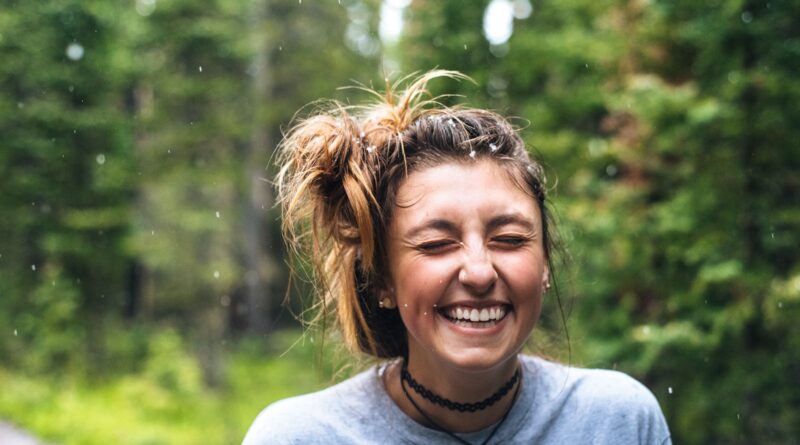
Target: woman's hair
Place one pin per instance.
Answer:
(339, 175)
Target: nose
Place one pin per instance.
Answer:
(477, 271)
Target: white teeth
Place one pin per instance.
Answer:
(495, 313)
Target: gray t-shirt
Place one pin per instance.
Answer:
(556, 405)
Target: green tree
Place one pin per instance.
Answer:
(668, 127)
(65, 176)
(211, 103)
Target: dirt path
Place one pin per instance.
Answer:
(13, 435)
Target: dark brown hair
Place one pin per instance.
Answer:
(340, 172)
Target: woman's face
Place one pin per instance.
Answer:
(467, 265)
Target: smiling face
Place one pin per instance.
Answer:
(467, 265)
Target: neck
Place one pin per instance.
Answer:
(457, 386)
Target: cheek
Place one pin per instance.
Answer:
(422, 281)
(523, 273)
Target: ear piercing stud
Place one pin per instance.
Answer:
(386, 303)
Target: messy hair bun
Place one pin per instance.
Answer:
(339, 173)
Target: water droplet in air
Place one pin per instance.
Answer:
(145, 7)
(780, 305)
(200, 68)
(465, 47)
(15, 332)
(216, 274)
(493, 147)
(101, 159)
(669, 390)
(217, 214)
(747, 17)
(472, 154)
(33, 267)
(371, 149)
(75, 51)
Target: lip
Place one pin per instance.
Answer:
(483, 332)
(476, 304)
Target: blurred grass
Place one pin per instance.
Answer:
(166, 402)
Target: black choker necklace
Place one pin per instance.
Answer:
(455, 406)
(404, 375)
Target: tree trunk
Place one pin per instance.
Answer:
(259, 267)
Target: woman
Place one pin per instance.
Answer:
(429, 232)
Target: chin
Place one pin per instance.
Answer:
(480, 360)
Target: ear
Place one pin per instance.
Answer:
(386, 298)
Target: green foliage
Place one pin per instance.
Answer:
(134, 163)
(166, 403)
(64, 180)
(51, 334)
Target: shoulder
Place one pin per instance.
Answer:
(615, 390)
(607, 388)
(601, 400)
(307, 418)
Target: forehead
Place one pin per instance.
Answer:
(481, 189)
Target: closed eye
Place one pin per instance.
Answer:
(510, 241)
(435, 246)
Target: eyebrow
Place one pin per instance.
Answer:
(511, 218)
(448, 226)
(434, 224)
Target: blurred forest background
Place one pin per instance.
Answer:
(141, 264)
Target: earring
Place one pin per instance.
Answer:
(386, 303)
(546, 287)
